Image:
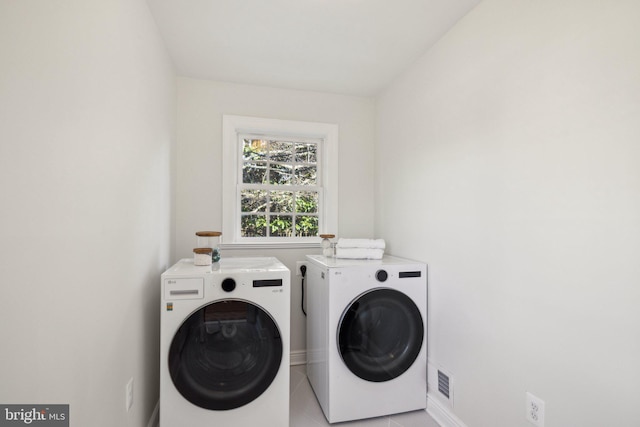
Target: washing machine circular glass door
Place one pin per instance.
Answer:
(225, 355)
(380, 335)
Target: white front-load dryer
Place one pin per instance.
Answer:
(224, 344)
(366, 336)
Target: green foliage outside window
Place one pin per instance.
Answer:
(270, 206)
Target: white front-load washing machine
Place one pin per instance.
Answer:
(224, 344)
(366, 336)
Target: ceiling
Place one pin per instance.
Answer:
(354, 47)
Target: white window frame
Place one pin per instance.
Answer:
(233, 127)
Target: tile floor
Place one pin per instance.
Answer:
(305, 411)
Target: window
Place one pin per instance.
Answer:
(279, 180)
(279, 187)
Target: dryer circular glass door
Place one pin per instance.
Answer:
(380, 335)
(225, 355)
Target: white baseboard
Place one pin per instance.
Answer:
(298, 357)
(154, 421)
(442, 413)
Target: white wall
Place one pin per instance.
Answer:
(508, 159)
(87, 113)
(198, 202)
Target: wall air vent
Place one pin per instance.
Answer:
(443, 384)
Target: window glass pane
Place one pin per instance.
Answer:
(306, 175)
(306, 153)
(254, 149)
(306, 226)
(281, 201)
(253, 201)
(281, 225)
(280, 174)
(254, 172)
(253, 226)
(307, 201)
(281, 151)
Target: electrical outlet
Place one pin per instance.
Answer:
(129, 394)
(534, 410)
(298, 265)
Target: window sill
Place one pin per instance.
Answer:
(271, 245)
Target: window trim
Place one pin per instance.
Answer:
(234, 126)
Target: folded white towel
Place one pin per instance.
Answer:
(359, 253)
(361, 243)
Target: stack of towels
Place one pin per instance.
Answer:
(360, 248)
